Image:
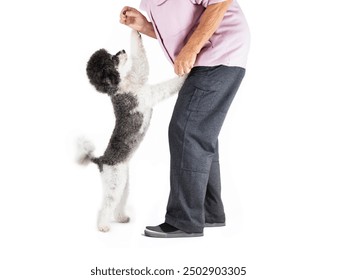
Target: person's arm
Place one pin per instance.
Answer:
(209, 22)
(137, 21)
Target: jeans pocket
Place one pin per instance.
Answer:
(201, 100)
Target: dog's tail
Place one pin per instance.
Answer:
(84, 152)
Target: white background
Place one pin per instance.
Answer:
(278, 148)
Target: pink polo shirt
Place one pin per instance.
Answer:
(175, 20)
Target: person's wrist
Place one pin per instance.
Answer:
(191, 49)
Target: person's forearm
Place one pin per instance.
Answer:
(209, 22)
(148, 30)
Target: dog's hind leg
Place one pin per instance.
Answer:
(114, 179)
(119, 213)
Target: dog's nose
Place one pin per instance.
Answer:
(120, 52)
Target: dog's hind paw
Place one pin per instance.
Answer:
(104, 228)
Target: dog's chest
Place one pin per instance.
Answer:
(124, 104)
(131, 117)
(147, 114)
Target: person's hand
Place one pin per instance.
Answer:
(184, 61)
(133, 18)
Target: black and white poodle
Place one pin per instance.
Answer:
(132, 101)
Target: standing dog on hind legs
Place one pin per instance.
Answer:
(132, 100)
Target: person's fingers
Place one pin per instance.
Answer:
(122, 13)
(182, 67)
(128, 15)
(129, 11)
(178, 69)
(132, 13)
(123, 20)
(126, 8)
(122, 16)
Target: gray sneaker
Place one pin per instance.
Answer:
(167, 231)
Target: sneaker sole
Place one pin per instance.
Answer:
(179, 234)
(215, 224)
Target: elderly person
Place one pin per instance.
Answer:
(209, 41)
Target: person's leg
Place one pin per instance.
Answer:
(198, 115)
(214, 210)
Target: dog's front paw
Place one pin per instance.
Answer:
(136, 42)
(135, 35)
(103, 228)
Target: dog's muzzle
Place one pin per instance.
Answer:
(120, 52)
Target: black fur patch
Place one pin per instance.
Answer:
(126, 135)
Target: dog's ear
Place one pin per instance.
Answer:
(102, 72)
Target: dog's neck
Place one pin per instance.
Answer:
(128, 86)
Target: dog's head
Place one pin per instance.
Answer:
(103, 70)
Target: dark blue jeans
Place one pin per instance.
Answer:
(200, 110)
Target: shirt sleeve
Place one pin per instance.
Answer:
(205, 3)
